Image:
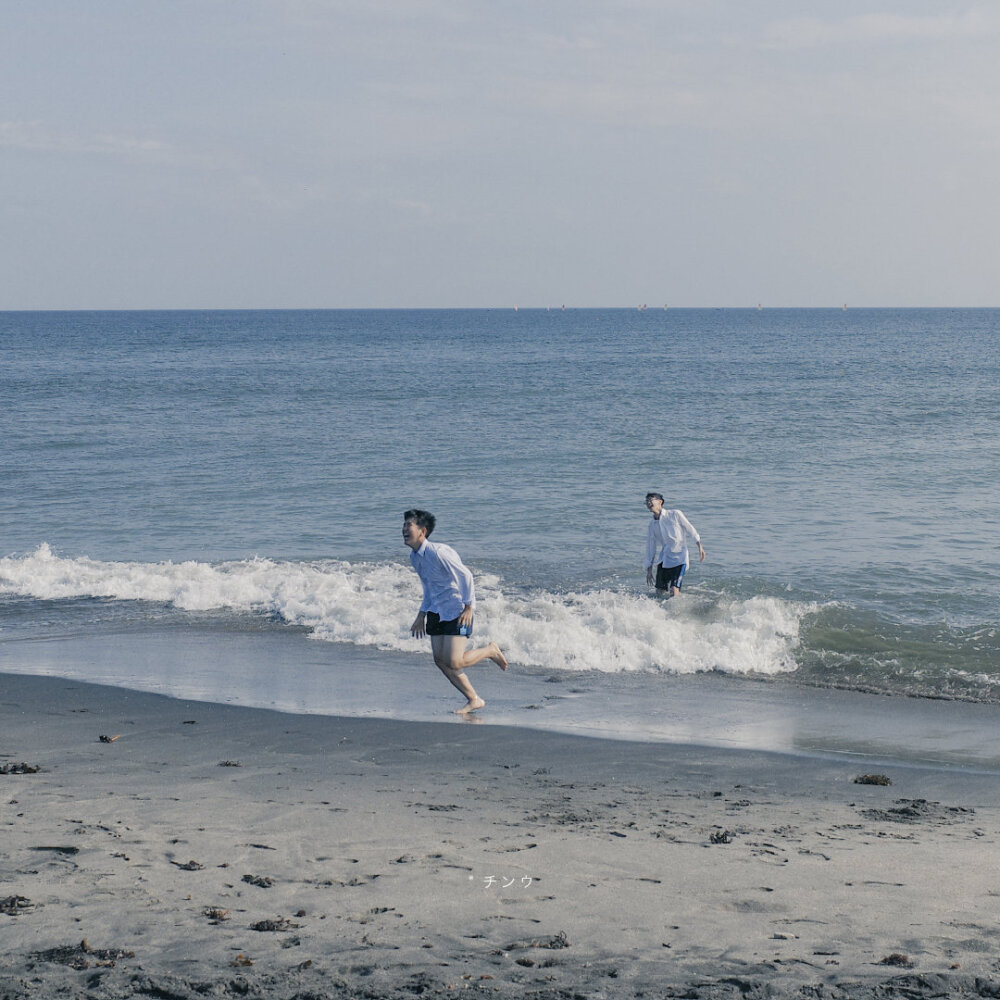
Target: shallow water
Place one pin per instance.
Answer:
(291, 673)
(247, 471)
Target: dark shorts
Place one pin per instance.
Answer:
(669, 576)
(435, 626)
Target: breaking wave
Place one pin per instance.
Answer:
(372, 604)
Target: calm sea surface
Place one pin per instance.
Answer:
(246, 472)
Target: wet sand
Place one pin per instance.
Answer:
(287, 671)
(168, 848)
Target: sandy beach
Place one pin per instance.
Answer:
(167, 848)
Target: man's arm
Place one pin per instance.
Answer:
(689, 528)
(418, 629)
(650, 551)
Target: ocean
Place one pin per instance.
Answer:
(233, 482)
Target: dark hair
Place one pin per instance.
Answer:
(654, 496)
(421, 518)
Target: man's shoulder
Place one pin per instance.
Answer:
(441, 549)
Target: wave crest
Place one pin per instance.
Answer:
(372, 604)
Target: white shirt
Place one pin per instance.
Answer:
(446, 580)
(669, 531)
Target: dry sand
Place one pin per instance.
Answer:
(208, 851)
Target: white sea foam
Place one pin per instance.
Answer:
(374, 603)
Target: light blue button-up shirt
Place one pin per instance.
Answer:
(446, 580)
(669, 531)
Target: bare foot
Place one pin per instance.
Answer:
(497, 657)
(473, 706)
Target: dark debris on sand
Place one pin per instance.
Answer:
(21, 768)
(309, 983)
(898, 959)
(554, 943)
(910, 987)
(281, 924)
(919, 811)
(82, 956)
(12, 906)
(262, 881)
(189, 866)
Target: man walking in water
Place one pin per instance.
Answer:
(668, 533)
(447, 608)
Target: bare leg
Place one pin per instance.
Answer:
(491, 652)
(473, 702)
(452, 658)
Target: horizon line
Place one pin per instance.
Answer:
(844, 307)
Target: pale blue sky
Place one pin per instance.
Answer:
(341, 153)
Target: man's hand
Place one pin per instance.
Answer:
(465, 618)
(418, 629)
(649, 576)
(701, 553)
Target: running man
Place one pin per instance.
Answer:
(447, 608)
(667, 534)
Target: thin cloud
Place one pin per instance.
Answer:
(420, 209)
(978, 113)
(563, 43)
(36, 136)
(880, 28)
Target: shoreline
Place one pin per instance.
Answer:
(297, 674)
(216, 849)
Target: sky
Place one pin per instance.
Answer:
(210, 154)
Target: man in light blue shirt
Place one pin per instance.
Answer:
(667, 535)
(447, 609)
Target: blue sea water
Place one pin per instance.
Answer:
(244, 474)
